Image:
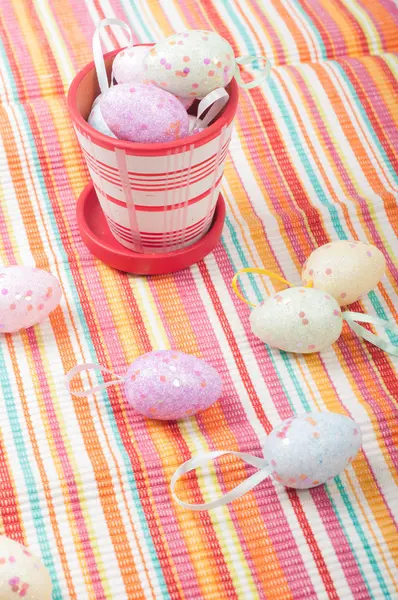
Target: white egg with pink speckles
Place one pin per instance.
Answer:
(128, 65)
(191, 64)
(347, 270)
(308, 450)
(27, 296)
(298, 319)
(22, 575)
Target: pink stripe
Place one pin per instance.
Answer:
(180, 174)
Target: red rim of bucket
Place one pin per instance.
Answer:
(107, 249)
(159, 148)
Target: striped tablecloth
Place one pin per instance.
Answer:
(86, 483)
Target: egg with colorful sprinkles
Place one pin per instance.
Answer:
(22, 575)
(309, 450)
(169, 385)
(191, 64)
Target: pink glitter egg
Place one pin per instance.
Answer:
(170, 385)
(143, 113)
(27, 296)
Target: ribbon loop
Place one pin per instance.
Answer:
(237, 492)
(258, 272)
(97, 50)
(262, 75)
(90, 367)
(353, 318)
(216, 100)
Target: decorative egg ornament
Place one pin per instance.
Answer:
(298, 319)
(308, 450)
(96, 119)
(165, 384)
(302, 452)
(143, 113)
(22, 575)
(27, 297)
(193, 63)
(347, 270)
(128, 65)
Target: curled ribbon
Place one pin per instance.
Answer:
(97, 50)
(237, 492)
(216, 100)
(351, 318)
(91, 367)
(262, 75)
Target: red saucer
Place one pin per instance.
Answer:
(99, 240)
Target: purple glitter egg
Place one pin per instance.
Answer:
(138, 112)
(170, 385)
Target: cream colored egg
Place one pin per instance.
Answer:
(22, 575)
(191, 64)
(345, 269)
(299, 319)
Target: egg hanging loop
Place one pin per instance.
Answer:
(257, 271)
(97, 50)
(353, 318)
(241, 489)
(262, 75)
(99, 388)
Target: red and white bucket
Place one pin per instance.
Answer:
(159, 197)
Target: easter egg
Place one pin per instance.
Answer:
(308, 450)
(27, 296)
(191, 64)
(345, 269)
(22, 575)
(298, 319)
(143, 113)
(96, 119)
(169, 385)
(128, 65)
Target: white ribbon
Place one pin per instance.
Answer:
(237, 492)
(217, 99)
(353, 318)
(91, 367)
(97, 50)
(262, 75)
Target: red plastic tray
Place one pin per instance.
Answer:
(99, 240)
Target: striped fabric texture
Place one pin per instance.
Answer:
(313, 158)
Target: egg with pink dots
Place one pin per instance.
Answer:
(27, 296)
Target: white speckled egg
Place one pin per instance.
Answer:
(128, 65)
(143, 113)
(22, 575)
(307, 450)
(96, 120)
(27, 296)
(191, 64)
(345, 269)
(298, 319)
(170, 385)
